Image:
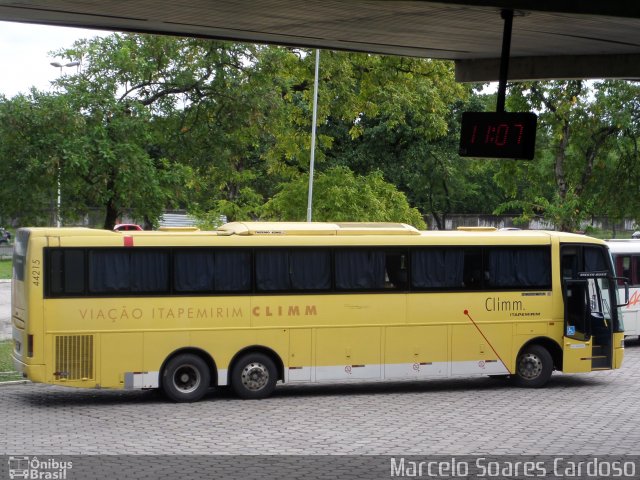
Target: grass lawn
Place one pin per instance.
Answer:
(6, 364)
(5, 269)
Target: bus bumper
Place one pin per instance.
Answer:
(35, 373)
(618, 349)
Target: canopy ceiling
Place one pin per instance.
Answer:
(551, 38)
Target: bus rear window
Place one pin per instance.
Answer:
(19, 255)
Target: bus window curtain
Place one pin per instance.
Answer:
(359, 269)
(272, 270)
(519, 267)
(310, 269)
(193, 271)
(233, 271)
(594, 260)
(109, 271)
(437, 268)
(149, 271)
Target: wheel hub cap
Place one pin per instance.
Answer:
(530, 366)
(186, 379)
(255, 376)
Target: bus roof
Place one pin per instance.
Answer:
(317, 228)
(281, 233)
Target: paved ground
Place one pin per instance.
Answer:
(592, 414)
(141, 435)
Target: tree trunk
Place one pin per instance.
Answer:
(111, 216)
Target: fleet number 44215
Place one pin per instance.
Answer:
(35, 272)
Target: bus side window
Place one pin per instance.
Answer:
(233, 271)
(123, 271)
(437, 268)
(569, 262)
(396, 269)
(521, 267)
(66, 272)
(634, 271)
(623, 268)
(359, 269)
(303, 269)
(473, 270)
(193, 271)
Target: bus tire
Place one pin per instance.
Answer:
(186, 378)
(534, 366)
(254, 376)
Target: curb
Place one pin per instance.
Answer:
(14, 382)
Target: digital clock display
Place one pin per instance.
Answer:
(498, 135)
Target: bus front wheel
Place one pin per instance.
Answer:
(533, 367)
(254, 376)
(186, 378)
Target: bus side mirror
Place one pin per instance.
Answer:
(623, 281)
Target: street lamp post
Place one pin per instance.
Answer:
(313, 136)
(59, 65)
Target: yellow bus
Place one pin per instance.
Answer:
(253, 304)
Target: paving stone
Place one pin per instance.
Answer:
(593, 413)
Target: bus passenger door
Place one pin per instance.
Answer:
(602, 297)
(576, 343)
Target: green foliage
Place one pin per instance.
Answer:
(6, 271)
(39, 135)
(7, 372)
(222, 129)
(339, 195)
(125, 80)
(587, 158)
(427, 169)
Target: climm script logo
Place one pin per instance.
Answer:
(496, 304)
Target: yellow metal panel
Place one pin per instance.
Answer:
(119, 353)
(532, 328)
(321, 310)
(576, 356)
(32, 288)
(147, 314)
(223, 345)
(486, 342)
(299, 347)
(348, 346)
(618, 349)
(159, 345)
(413, 344)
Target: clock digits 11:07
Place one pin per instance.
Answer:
(498, 135)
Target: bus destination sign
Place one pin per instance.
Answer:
(498, 135)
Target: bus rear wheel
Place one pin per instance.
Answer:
(534, 367)
(254, 376)
(186, 378)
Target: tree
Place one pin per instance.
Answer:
(253, 137)
(126, 83)
(39, 139)
(221, 128)
(339, 195)
(428, 169)
(581, 129)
